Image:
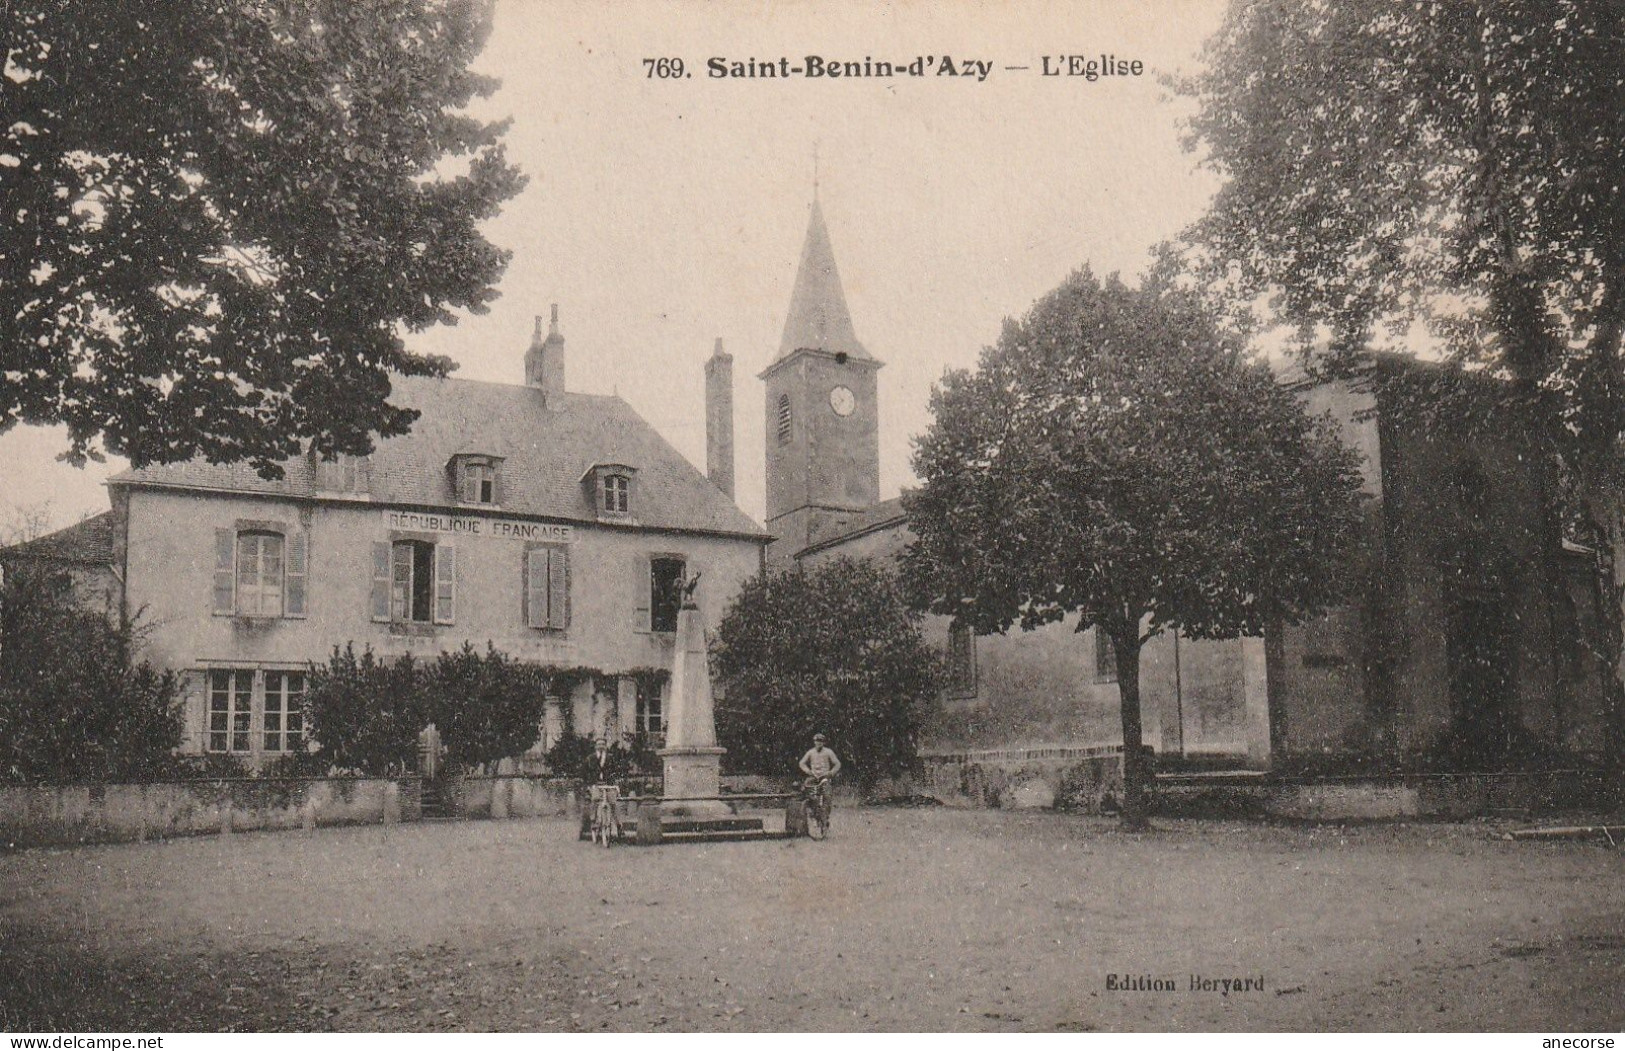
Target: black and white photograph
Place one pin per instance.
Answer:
(566, 517)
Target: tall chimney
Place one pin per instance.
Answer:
(544, 361)
(719, 419)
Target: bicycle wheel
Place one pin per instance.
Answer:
(817, 819)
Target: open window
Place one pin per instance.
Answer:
(476, 479)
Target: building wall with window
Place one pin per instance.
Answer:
(257, 585)
(1056, 687)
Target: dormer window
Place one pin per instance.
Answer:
(346, 474)
(617, 494)
(477, 478)
(612, 489)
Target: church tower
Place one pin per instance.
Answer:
(823, 423)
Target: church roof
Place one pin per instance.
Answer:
(546, 442)
(818, 317)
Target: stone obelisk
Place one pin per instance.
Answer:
(692, 761)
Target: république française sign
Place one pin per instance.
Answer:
(463, 525)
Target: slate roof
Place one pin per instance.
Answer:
(818, 318)
(546, 445)
(89, 543)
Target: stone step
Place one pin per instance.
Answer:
(679, 825)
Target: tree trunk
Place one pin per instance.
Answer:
(1136, 772)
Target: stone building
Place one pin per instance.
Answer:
(550, 524)
(1448, 626)
(1052, 691)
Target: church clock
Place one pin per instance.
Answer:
(842, 400)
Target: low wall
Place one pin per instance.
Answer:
(1061, 777)
(517, 795)
(1436, 796)
(42, 815)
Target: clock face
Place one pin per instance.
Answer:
(842, 401)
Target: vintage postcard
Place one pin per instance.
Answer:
(1000, 517)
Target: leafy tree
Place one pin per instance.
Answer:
(74, 705)
(366, 713)
(1453, 164)
(486, 708)
(216, 218)
(1116, 457)
(832, 649)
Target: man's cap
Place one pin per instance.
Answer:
(819, 737)
(603, 740)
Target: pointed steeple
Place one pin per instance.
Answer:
(818, 318)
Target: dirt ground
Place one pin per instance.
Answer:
(902, 920)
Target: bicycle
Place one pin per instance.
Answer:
(606, 821)
(815, 793)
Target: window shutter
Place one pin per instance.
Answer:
(558, 587)
(642, 585)
(380, 580)
(296, 574)
(363, 474)
(445, 584)
(225, 571)
(536, 587)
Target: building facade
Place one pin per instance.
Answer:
(555, 526)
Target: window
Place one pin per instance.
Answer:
(284, 714)
(547, 586)
(347, 474)
(961, 661)
(259, 572)
(476, 478)
(609, 488)
(784, 419)
(245, 707)
(411, 595)
(651, 712)
(1105, 658)
(414, 582)
(617, 493)
(665, 592)
(231, 711)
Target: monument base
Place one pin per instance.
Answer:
(692, 773)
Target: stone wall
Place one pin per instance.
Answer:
(515, 796)
(1080, 779)
(43, 815)
(1423, 796)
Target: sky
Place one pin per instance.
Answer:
(663, 213)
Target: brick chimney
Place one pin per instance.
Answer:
(544, 361)
(719, 419)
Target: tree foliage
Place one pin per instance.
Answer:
(216, 218)
(832, 649)
(74, 704)
(365, 713)
(487, 706)
(1115, 457)
(1447, 169)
